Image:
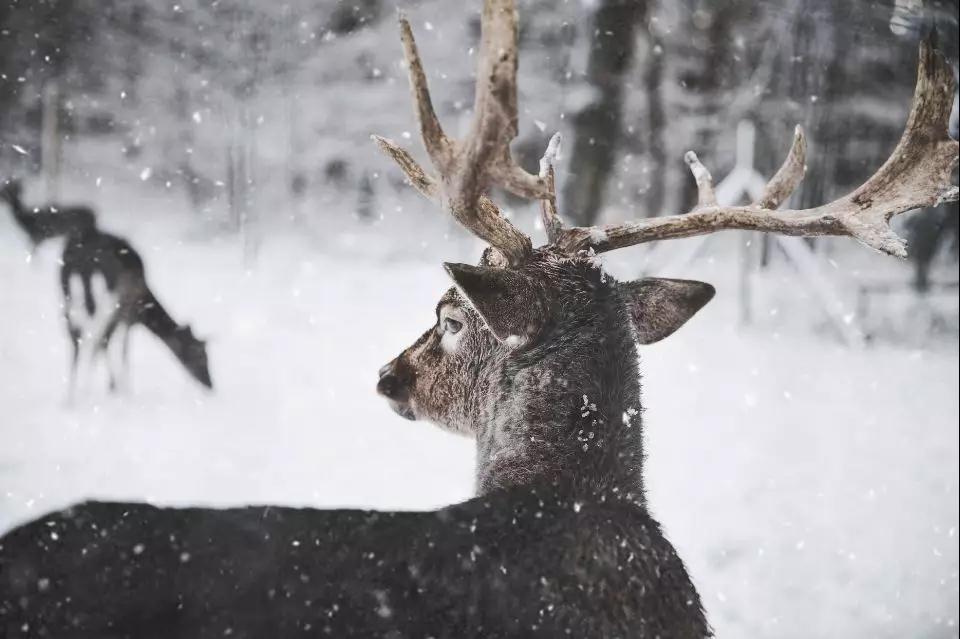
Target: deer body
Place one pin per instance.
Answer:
(540, 364)
(514, 563)
(105, 294)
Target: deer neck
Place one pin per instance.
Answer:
(15, 204)
(154, 317)
(567, 412)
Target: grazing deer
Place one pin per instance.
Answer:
(105, 293)
(534, 354)
(48, 222)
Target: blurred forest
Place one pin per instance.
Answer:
(259, 113)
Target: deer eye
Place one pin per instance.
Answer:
(451, 325)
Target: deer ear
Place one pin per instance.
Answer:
(509, 302)
(660, 306)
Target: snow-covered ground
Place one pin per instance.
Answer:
(811, 488)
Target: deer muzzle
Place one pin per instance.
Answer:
(394, 385)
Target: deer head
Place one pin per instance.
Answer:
(534, 351)
(192, 353)
(538, 362)
(10, 192)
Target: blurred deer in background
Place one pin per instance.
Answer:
(104, 293)
(534, 353)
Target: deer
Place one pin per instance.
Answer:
(105, 293)
(534, 352)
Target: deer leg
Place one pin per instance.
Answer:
(103, 322)
(86, 362)
(74, 357)
(92, 314)
(113, 346)
(106, 348)
(77, 318)
(125, 355)
(83, 366)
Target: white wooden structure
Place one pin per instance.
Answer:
(745, 183)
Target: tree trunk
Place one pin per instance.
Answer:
(656, 123)
(597, 126)
(50, 139)
(713, 71)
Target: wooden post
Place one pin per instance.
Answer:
(745, 182)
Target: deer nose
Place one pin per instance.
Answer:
(389, 384)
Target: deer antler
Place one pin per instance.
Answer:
(548, 205)
(916, 175)
(469, 167)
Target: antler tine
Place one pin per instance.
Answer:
(466, 169)
(918, 172)
(548, 205)
(916, 175)
(486, 152)
(488, 225)
(705, 195)
(438, 145)
(788, 177)
(425, 184)
(495, 102)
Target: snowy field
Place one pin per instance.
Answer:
(811, 488)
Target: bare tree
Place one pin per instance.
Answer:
(597, 126)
